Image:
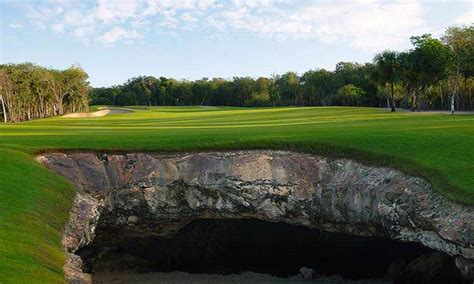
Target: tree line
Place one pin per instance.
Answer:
(279, 90)
(430, 75)
(29, 91)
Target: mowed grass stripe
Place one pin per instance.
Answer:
(35, 202)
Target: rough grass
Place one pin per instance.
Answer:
(33, 206)
(34, 202)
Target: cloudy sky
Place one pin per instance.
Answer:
(114, 40)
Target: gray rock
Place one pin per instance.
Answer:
(307, 273)
(429, 268)
(466, 267)
(132, 219)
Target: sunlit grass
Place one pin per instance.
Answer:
(34, 202)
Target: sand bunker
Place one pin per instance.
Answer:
(99, 113)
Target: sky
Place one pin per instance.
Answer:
(114, 40)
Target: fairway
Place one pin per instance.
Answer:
(35, 202)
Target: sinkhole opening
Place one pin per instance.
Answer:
(233, 246)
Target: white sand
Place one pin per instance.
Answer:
(99, 113)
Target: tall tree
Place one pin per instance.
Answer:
(350, 95)
(460, 40)
(387, 71)
(288, 88)
(318, 86)
(5, 91)
(29, 91)
(424, 65)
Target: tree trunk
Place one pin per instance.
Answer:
(441, 94)
(470, 99)
(413, 106)
(457, 82)
(60, 106)
(466, 90)
(41, 108)
(203, 99)
(393, 98)
(452, 104)
(5, 119)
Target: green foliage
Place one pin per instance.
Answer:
(319, 86)
(430, 58)
(432, 63)
(387, 71)
(461, 42)
(313, 88)
(350, 95)
(28, 91)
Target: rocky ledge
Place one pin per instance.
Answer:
(159, 194)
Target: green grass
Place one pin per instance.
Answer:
(34, 202)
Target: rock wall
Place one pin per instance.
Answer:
(159, 194)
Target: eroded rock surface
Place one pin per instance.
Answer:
(159, 194)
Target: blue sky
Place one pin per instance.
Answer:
(191, 39)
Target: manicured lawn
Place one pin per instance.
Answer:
(34, 202)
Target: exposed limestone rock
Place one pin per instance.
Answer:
(307, 273)
(158, 194)
(73, 270)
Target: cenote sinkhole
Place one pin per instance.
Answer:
(256, 216)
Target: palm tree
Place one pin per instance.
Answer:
(387, 70)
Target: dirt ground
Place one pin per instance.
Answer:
(246, 277)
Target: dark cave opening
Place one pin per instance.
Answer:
(231, 246)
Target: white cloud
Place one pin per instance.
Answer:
(83, 31)
(15, 26)
(363, 24)
(39, 16)
(77, 18)
(117, 33)
(58, 27)
(367, 25)
(251, 3)
(188, 17)
(214, 23)
(465, 19)
(206, 4)
(116, 11)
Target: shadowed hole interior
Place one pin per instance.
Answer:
(228, 246)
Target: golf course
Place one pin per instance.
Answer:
(35, 202)
(236, 141)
